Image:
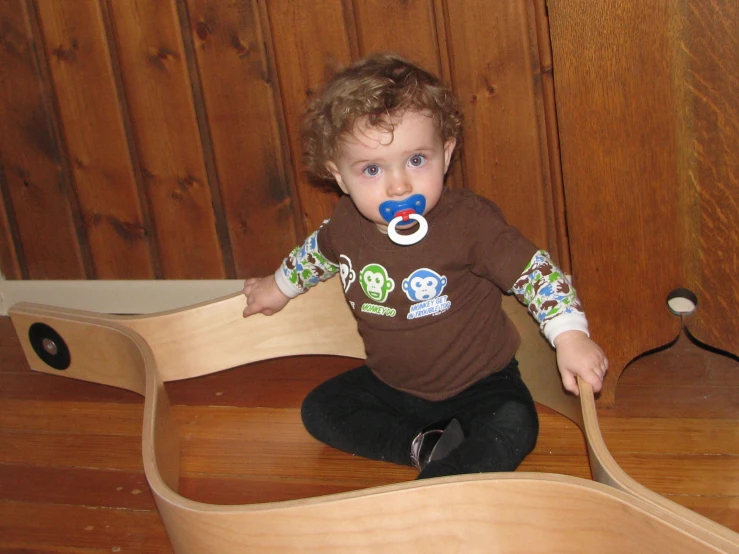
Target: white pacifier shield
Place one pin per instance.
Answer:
(407, 240)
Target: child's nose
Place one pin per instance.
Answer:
(399, 184)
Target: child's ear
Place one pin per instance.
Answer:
(331, 166)
(448, 151)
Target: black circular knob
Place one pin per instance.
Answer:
(49, 346)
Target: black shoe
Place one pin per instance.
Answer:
(435, 442)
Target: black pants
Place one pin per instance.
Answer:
(357, 413)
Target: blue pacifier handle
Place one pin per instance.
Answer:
(415, 203)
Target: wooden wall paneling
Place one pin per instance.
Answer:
(454, 176)
(164, 123)
(190, 135)
(75, 40)
(546, 108)
(311, 41)
(707, 85)
(407, 28)
(616, 108)
(496, 77)
(37, 201)
(241, 110)
(9, 261)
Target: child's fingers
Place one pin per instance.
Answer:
(249, 286)
(569, 381)
(594, 379)
(251, 307)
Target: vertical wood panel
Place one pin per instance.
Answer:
(648, 100)
(93, 126)
(9, 262)
(407, 28)
(708, 85)
(35, 190)
(154, 71)
(498, 85)
(310, 42)
(556, 208)
(616, 108)
(240, 106)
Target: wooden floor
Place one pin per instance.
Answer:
(71, 478)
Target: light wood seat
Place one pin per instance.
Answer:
(501, 512)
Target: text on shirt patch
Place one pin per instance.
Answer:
(378, 310)
(435, 306)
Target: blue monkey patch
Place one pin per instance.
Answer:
(425, 287)
(423, 284)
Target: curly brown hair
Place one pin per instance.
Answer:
(379, 87)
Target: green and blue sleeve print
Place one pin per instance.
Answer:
(550, 298)
(304, 268)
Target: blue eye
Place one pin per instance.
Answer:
(417, 160)
(372, 170)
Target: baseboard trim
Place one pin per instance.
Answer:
(116, 297)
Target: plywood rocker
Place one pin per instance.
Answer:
(496, 512)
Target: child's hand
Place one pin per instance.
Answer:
(263, 296)
(577, 355)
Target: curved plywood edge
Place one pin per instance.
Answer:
(200, 340)
(212, 336)
(111, 354)
(101, 351)
(468, 512)
(533, 513)
(606, 470)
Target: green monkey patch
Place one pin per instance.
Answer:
(376, 283)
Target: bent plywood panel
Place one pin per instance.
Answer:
(474, 513)
(213, 336)
(490, 512)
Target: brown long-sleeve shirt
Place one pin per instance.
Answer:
(430, 314)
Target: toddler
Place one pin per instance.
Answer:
(423, 268)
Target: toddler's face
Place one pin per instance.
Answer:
(375, 165)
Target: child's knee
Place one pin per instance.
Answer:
(312, 413)
(512, 429)
(520, 424)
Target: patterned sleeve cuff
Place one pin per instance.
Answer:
(284, 284)
(574, 321)
(550, 297)
(304, 268)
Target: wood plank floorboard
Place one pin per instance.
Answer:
(41, 527)
(71, 476)
(77, 486)
(671, 436)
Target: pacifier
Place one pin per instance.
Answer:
(404, 212)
